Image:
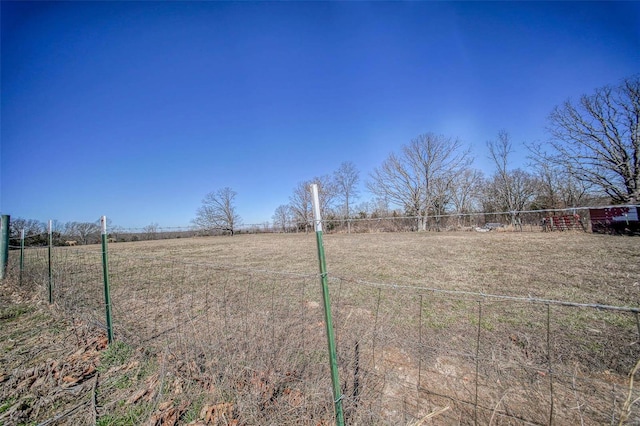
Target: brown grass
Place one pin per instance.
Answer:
(238, 321)
(571, 266)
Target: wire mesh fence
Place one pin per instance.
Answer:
(244, 335)
(255, 339)
(488, 360)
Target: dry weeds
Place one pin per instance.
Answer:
(230, 328)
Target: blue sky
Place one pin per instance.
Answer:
(136, 110)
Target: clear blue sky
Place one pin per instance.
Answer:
(136, 110)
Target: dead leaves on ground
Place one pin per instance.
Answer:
(71, 371)
(63, 380)
(146, 393)
(270, 388)
(222, 413)
(52, 372)
(168, 414)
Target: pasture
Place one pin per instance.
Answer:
(432, 328)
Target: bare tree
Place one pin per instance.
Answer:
(56, 226)
(597, 140)
(444, 192)
(85, 231)
(467, 191)
(346, 179)
(499, 152)
(151, 231)
(549, 185)
(508, 190)
(57, 229)
(379, 207)
(300, 200)
(300, 205)
(218, 211)
(559, 189)
(522, 190)
(282, 217)
(410, 179)
(442, 195)
(375, 208)
(31, 227)
(35, 232)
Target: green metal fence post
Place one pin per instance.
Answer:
(4, 244)
(50, 266)
(333, 358)
(21, 254)
(105, 273)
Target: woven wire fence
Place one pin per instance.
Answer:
(485, 360)
(256, 339)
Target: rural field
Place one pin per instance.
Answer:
(443, 328)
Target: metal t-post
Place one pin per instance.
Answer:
(333, 358)
(4, 244)
(21, 255)
(105, 273)
(50, 266)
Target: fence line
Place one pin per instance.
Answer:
(255, 336)
(530, 218)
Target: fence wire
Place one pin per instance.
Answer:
(256, 338)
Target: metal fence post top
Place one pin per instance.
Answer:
(103, 223)
(315, 202)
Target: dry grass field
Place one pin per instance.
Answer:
(572, 266)
(432, 328)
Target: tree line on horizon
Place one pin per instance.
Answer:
(36, 233)
(592, 156)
